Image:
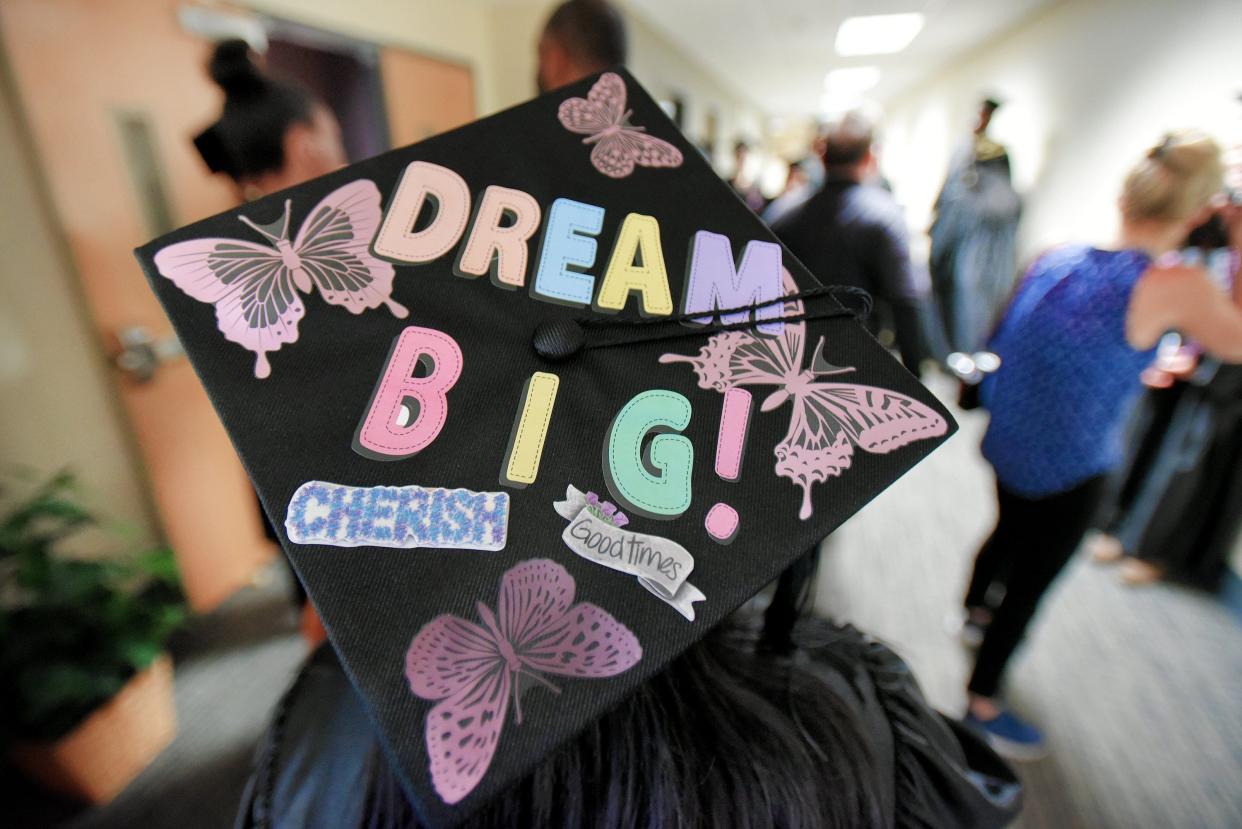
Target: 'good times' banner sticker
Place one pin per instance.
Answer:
(596, 533)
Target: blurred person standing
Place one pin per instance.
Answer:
(1082, 327)
(805, 177)
(852, 232)
(747, 189)
(1178, 509)
(271, 134)
(973, 258)
(580, 38)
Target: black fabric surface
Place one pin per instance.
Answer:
(1180, 504)
(298, 425)
(312, 769)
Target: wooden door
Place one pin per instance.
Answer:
(112, 93)
(424, 95)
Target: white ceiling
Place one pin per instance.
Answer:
(775, 53)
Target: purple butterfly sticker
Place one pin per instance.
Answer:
(828, 419)
(619, 145)
(473, 670)
(255, 287)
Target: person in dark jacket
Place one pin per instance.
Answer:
(832, 731)
(973, 257)
(853, 232)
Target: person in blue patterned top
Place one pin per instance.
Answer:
(1080, 329)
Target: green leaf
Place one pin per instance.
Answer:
(82, 627)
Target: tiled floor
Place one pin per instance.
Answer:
(1138, 689)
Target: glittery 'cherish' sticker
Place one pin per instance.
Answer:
(397, 516)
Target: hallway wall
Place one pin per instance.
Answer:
(58, 408)
(497, 40)
(1088, 86)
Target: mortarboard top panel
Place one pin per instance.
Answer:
(490, 535)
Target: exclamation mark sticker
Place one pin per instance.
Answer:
(722, 520)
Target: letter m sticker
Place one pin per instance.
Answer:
(715, 282)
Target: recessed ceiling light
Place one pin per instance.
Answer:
(853, 79)
(878, 34)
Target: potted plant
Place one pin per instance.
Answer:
(85, 686)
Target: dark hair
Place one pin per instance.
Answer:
(848, 141)
(730, 734)
(248, 138)
(590, 30)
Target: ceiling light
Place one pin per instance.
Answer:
(853, 79)
(879, 34)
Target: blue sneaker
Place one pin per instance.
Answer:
(1009, 736)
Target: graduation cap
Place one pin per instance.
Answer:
(535, 403)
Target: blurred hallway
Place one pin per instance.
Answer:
(1137, 688)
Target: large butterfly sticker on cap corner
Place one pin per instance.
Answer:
(829, 418)
(255, 288)
(619, 145)
(473, 672)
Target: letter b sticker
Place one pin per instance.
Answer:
(407, 412)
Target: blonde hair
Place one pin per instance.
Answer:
(1176, 179)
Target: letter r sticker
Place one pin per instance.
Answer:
(406, 412)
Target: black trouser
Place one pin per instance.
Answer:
(1033, 540)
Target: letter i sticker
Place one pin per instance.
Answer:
(530, 428)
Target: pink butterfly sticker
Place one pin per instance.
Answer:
(255, 287)
(829, 419)
(619, 145)
(474, 670)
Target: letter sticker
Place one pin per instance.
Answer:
(387, 432)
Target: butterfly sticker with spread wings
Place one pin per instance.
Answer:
(255, 287)
(474, 670)
(619, 145)
(829, 419)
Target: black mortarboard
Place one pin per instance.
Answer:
(516, 456)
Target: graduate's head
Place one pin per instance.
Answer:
(581, 37)
(270, 134)
(1175, 181)
(730, 734)
(846, 146)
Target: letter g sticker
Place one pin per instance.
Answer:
(647, 469)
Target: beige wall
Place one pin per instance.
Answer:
(497, 39)
(1089, 86)
(457, 30)
(57, 407)
(666, 72)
